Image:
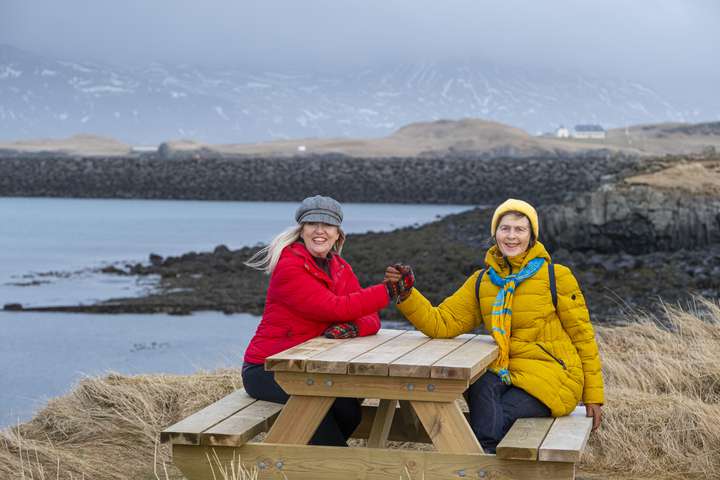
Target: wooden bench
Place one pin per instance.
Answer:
(560, 439)
(231, 421)
(419, 404)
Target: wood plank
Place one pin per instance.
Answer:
(447, 427)
(243, 426)
(418, 362)
(364, 386)
(523, 440)
(382, 423)
(567, 438)
(295, 358)
(468, 361)
(336, 360)
(299, 419)
(376, 361)
(302, 462)
(187, 431)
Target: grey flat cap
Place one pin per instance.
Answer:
(319, 209)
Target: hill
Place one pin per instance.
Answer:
(466, 137)
(82, 145)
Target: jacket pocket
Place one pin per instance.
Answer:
(562, 364)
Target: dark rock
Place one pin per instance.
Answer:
(636, 219)
(111, 269)
(12, 307)
(155, 259)
(457, 178)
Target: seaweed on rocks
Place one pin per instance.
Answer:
(443, 254)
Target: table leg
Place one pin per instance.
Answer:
(410, 421)
(381, 424)
(447, 427)
(299, 419)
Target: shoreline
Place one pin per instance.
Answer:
(613, 283)
(630, 241)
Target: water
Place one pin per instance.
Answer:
(42, 355)
(46, 234)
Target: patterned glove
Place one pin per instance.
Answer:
(341, 330)
(398, 290)
(407, 281)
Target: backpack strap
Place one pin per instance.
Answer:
(477, 285)
(477, 291)
(553, 285)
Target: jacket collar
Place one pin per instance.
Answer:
(502, 265)
(298, 248)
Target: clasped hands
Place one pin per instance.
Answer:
(399, 280)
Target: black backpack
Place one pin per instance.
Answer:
(551, 277)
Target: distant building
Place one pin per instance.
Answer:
(301, 148)
(589, 131)
(562, 132)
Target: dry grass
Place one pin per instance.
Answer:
(701, 178)
(662, 417)
(662, 414)
(107, 428)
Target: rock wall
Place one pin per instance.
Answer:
(634, 219)
(461, 180)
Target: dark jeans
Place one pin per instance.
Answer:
(337, 426)
(494, 407)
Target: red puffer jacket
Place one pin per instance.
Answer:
(302, 301)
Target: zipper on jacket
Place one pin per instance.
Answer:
(562, 364)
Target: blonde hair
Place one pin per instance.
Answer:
(266, 258)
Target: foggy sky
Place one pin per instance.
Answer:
(669, 42)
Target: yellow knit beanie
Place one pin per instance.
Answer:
(513, 205)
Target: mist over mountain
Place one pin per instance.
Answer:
(49, 97)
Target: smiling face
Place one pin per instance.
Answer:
(513, 234)
(319, 238)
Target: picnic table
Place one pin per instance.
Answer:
(417, 382)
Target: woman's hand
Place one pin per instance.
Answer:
(594, 410)
(399, 279)
(341, 330)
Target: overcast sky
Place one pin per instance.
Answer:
(668, 42)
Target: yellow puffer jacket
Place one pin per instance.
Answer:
(553, 353)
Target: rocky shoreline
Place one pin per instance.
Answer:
(629, 243)
(613, 283)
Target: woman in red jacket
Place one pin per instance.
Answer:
(312, 292)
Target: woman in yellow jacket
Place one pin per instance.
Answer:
(548, 359)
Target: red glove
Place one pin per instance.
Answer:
(399, 280)
(341, 330)
(407, 281)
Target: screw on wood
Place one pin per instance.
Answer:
(461, 473)
(411, 386)
(309, 381)
(431, 387)
(279, 464)
(328, 383)
(482, 473)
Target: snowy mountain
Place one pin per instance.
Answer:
(42, 97)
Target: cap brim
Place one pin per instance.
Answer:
(320, 217)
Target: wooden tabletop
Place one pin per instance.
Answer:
(390, 353)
